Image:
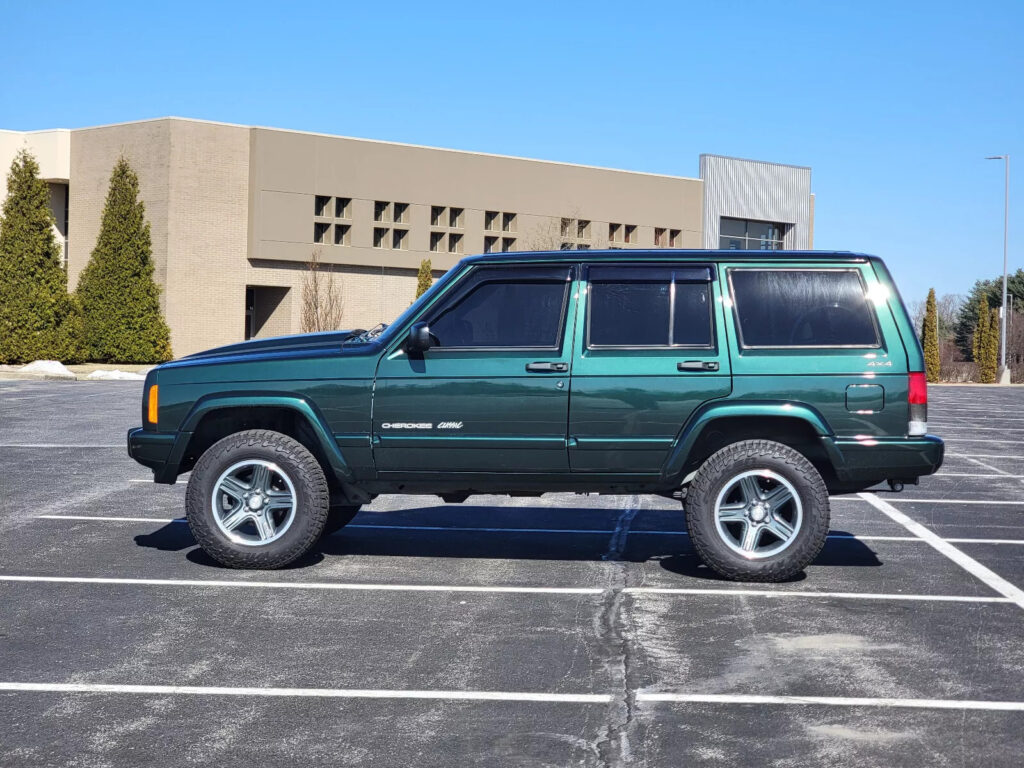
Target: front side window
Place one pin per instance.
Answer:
(503, 310)
(649, 306)
(802, 308)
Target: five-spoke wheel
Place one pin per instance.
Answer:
(759, 513)
(253, 502)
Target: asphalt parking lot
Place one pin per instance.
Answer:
(567, 630)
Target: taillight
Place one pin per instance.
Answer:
(917, 398)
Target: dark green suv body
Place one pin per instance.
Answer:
(749, 384)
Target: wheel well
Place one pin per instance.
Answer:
(222, 422)
(794, 432)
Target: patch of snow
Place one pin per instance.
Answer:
(116, 375)
(48, 367)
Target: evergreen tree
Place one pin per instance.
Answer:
(989, 365)
(992, 292)
(119, 297)
(930, 337)
(424, 279)
(38, 319)
(980, 335)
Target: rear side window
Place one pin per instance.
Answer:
(649, 306)
(802, 308)
(512, 313)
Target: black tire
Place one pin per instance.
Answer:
(339, 516)
(723, 467)
(312, 497)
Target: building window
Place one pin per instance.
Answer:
(508, 244)
(454, 243)
(322, 205)
(614, 233)
(343, 207)
(564, 246)
(508, 222)
(582, 230)
(582, 246)
(659, 237)
(381, 211)
(455, 218)
(490, 243)
(566, 227)
(401, 213)
(437, 215)
(400, 239)
(320, 231)
(491, 221)
(675, 238)
(380, 237)
(342, 234)
(629, 235)
(437, 241)
(749, 235)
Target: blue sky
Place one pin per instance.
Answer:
(892, 104)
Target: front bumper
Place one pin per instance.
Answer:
(160, 451)
(873, 459)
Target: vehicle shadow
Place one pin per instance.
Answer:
(431, 532)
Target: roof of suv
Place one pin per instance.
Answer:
(667, 254)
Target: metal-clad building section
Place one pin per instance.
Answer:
(751, 189)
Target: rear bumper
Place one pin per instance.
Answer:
(870, 460)
(157, 450)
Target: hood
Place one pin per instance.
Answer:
(302, 342)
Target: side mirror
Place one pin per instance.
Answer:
(420, 339)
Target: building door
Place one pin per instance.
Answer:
(493, 395)
(650, 349)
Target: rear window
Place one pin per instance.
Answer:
(802, 308)
(649, 306)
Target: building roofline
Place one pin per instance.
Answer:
(751, 160)
(391, 143)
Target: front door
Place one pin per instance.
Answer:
(493, 395)
(650, 349)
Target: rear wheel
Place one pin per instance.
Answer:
(257, 499)
(757, 511)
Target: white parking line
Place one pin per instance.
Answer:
(983, 456)
(954, 501)
(955, 439)
(61, 445)
(968, 563)
(1007, 475)
(791, 593)
(314, 693)
(302, 585)
(831, 701)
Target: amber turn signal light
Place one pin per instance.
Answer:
(152, 406)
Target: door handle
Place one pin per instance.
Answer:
(547, 367)
(697, 365)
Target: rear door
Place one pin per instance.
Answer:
(650, 349)
(493, 396)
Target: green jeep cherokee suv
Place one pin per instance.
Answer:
(749, 385)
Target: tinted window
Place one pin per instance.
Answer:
(802, 308)
(653, 306)
(505, 314)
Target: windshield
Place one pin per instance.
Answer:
(384, 330)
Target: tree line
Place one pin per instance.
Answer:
(113, 315)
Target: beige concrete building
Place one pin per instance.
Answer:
(237, 212)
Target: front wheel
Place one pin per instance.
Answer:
(757, 511)
(257, 499)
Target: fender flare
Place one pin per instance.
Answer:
(301, 405)
(709, 412)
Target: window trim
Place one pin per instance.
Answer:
(673, 267)
(501, 274)
(739, 326)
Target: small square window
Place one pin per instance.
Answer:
(437, 215)
(399, 239)
(381, 211)
(342, 206)
(322, 205)
(508, 222)
(659, 237)
(342, 234)
(454, 243)
(630, 234)
(490, 244)
(436, 241)
(455, 217)
(582, 230)
(320, 231)
(675, 238)
(583, 247)
(566, 227)
(565, 247)
(508, 244)
(614, 233)
(491, 221)
(401, 211)
(380, 237)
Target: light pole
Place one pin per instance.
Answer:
(1006, 228)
